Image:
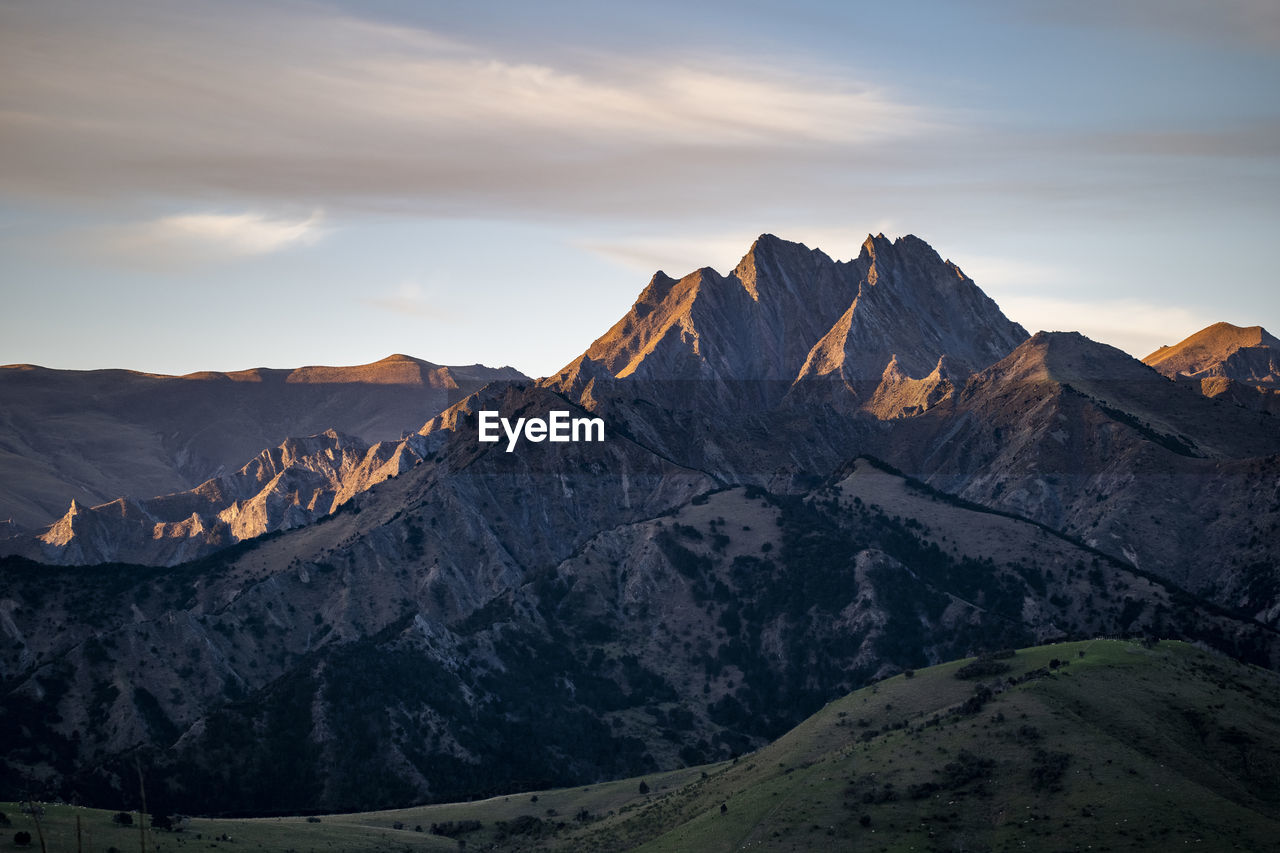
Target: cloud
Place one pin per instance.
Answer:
(1133, 325)
(676, 256)
(298, 102)
(197, 238)
(410, 299)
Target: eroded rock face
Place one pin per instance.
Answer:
(911, 308)
(284, 487)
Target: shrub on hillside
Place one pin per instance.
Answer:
(983, 667)
(1048, 768)
(454, 828)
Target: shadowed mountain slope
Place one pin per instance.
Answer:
(1081, 437)
(435, 631)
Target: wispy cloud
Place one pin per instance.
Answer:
(196, 238)
(299, 102)
(675, 256)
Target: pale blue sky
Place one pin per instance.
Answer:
(221, 185)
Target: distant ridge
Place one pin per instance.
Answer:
(1233, 363)
(395, 369)
(95, 435)
(1209, 351)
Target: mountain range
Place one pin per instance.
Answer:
(92, 436)
(816, 474)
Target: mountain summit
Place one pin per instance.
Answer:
(1221, 350)
(789, 316)
(1232, 363)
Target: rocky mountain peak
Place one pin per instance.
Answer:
(943, 369)
(656, 291)
(873, 244)
(915, 308)
(787, 313)
(769, 262)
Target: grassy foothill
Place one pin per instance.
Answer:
(1095, 745)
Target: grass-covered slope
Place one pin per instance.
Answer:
(1125, 748)
(1102, 745)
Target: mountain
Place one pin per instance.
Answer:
(1080, 436)
(1242, 354)
(1111, 744)
(438, 618)
(1241, 365)
(434, 631)
(297, 483)
(891, 331)
(94, 436)
(790, 316)
(1061, 429)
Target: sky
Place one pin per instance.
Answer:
(197, 185)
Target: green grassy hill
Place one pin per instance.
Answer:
(1097, 745)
